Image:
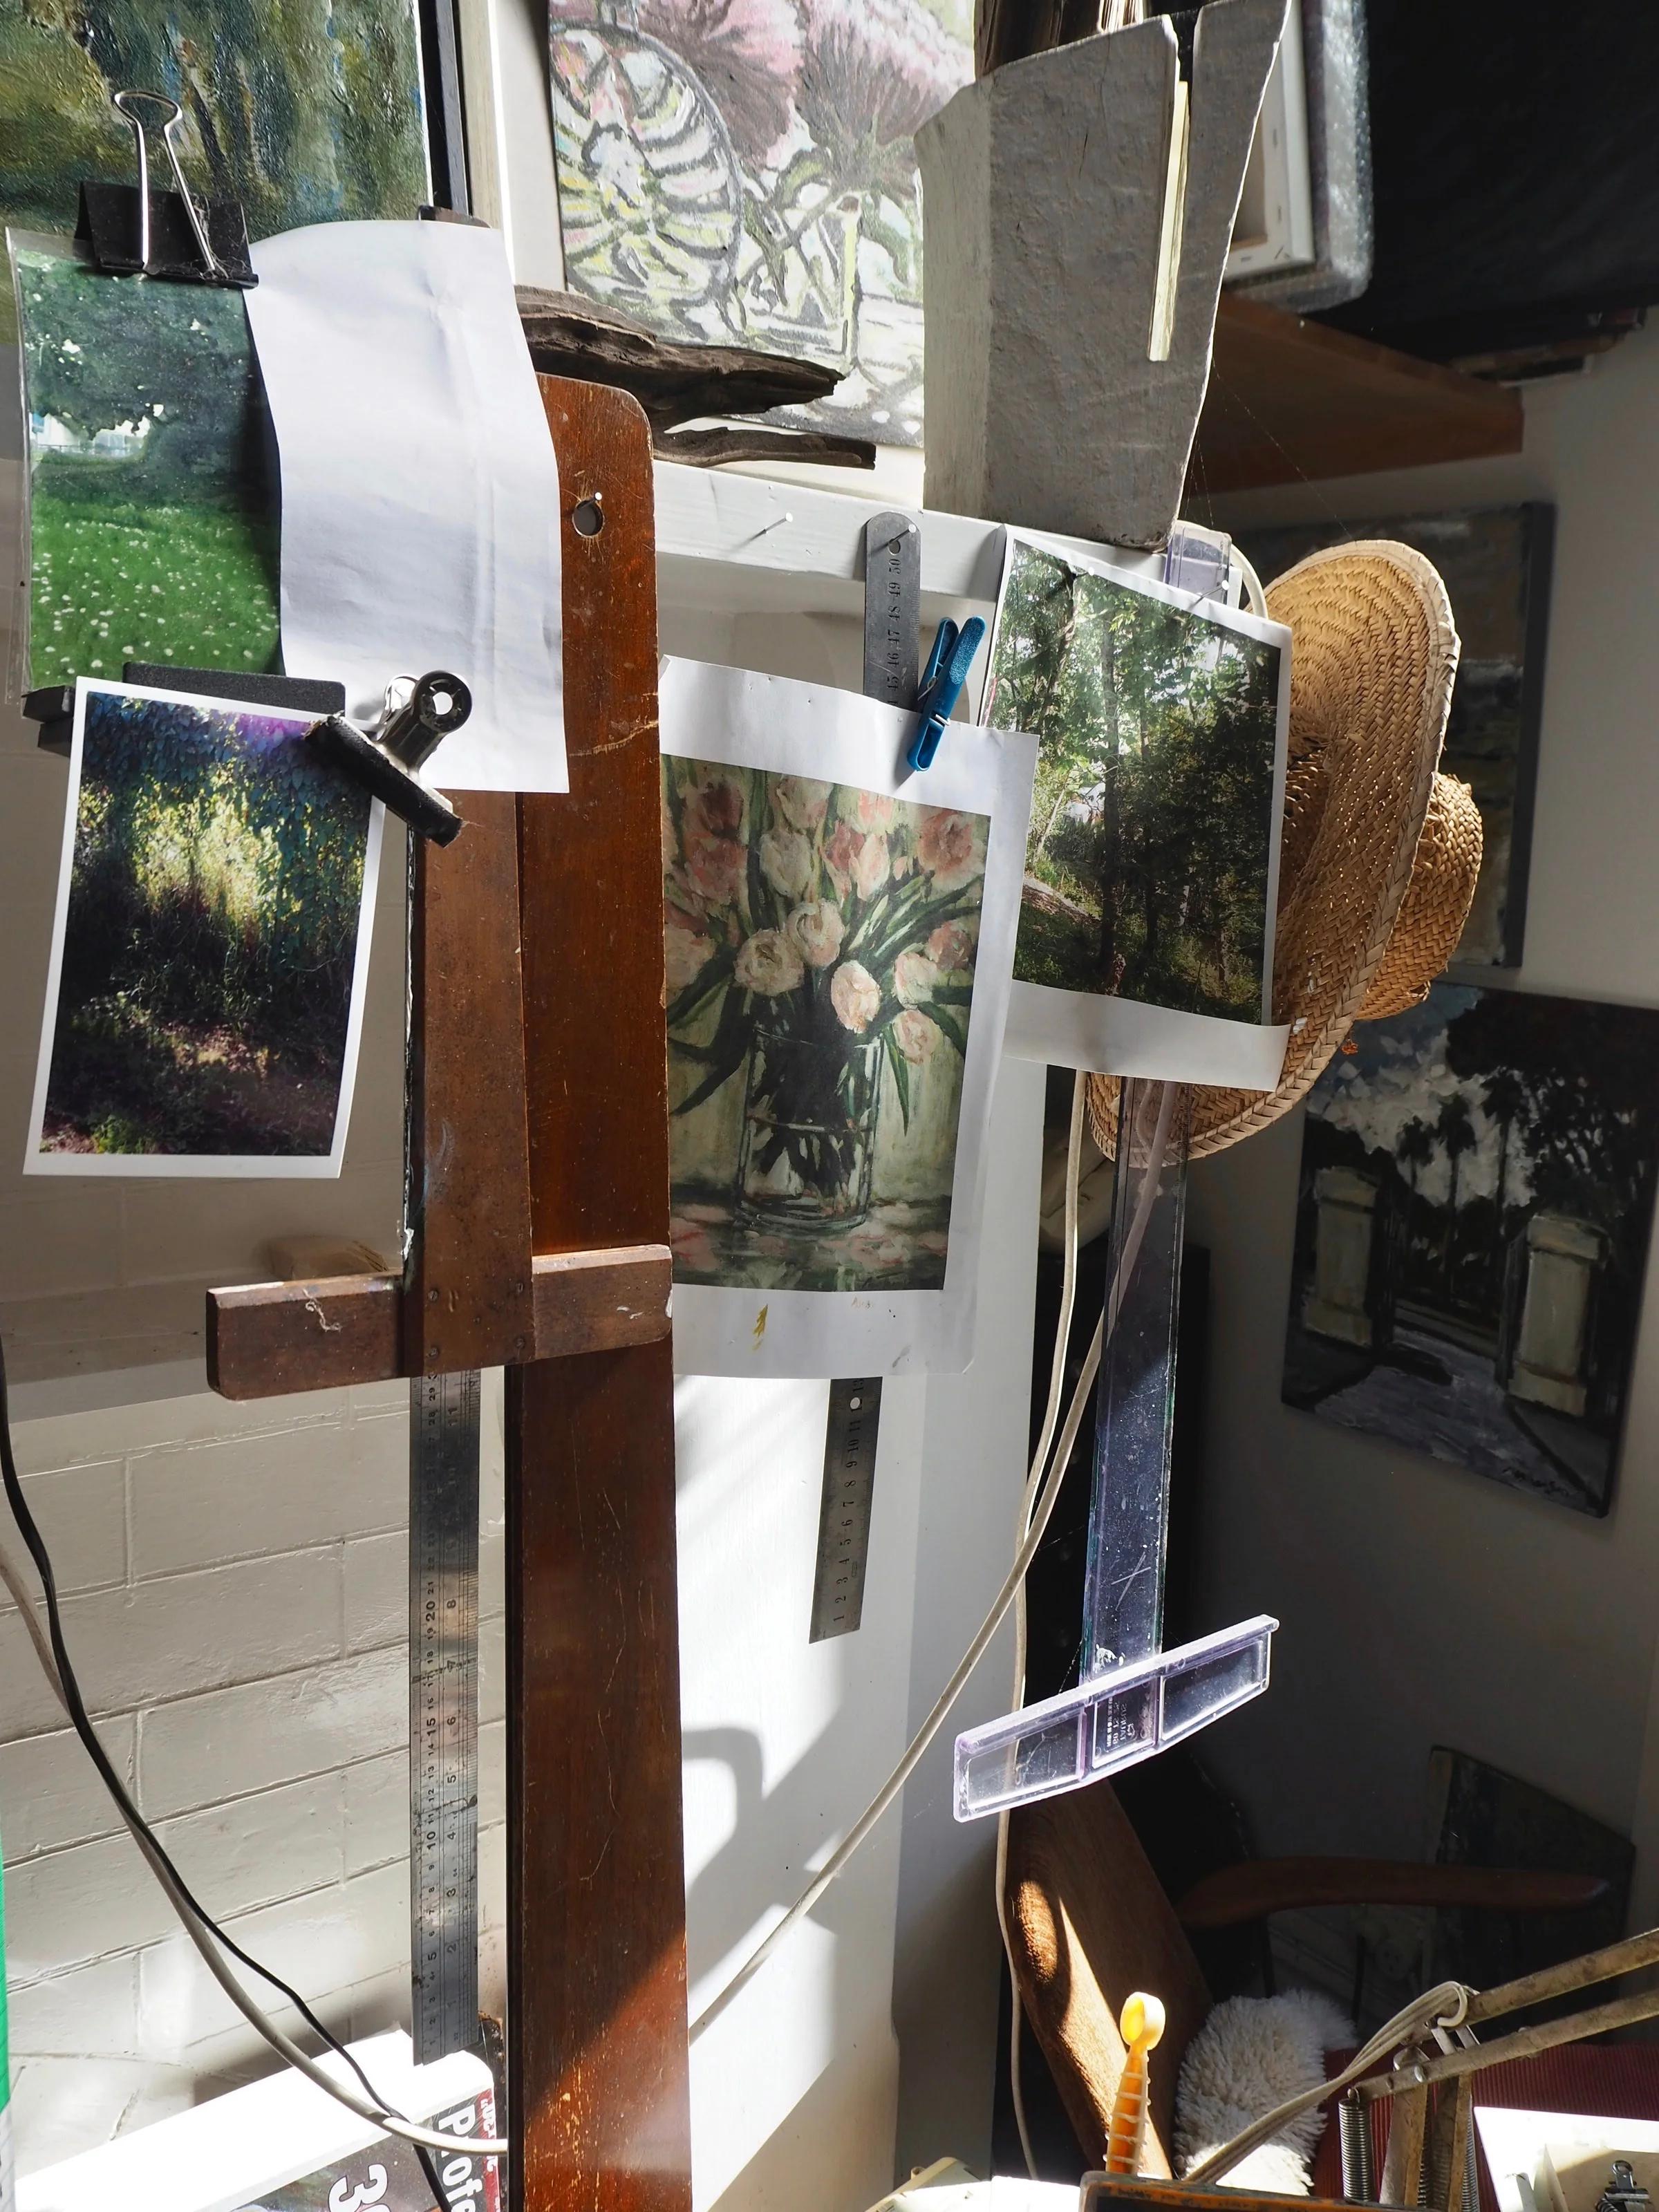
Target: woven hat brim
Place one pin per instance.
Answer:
(1374, 653)
(1436, 906)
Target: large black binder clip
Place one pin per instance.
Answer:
(133, 231)
(420, 715)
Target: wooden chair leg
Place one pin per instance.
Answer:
(1449, 2144)
(1402, 2169)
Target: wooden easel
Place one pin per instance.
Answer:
(538, 1156)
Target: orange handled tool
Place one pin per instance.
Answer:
(1140, 2026)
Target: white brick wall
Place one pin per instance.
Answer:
(235, 1586)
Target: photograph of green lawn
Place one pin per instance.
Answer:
(1147, 870)
(211, 926)
(153, 522)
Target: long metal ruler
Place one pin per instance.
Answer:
(443, 1712)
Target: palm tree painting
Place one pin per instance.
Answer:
(1454, 1130)
(1473, 1210)
(743, 171)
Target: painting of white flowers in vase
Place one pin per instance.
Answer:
(821, 944)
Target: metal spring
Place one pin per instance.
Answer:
(1359, 2163)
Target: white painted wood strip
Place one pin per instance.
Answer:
(747, 523)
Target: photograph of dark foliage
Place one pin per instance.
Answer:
(1148, 863)
(210, 930)
(1496, 565)
(1472, 1220)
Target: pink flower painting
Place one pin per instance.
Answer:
(820, 957)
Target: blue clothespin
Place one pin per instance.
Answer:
(942, 680)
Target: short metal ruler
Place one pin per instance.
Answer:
(849, 1489)
(443, 1712)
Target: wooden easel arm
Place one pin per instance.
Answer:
(265, 1339)
(600, 1301)
(1256, 1887)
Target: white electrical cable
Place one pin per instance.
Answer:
(900, 1774)
(202, 1935)
(987, 1628)
(1253, 591)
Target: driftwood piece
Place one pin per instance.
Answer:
(703, 449)
(672, 380)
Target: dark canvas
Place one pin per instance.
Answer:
(1473, 1217)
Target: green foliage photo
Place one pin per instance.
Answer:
(1146, 871)
(210, 939)
(153, 513)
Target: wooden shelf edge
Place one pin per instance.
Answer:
(266, 1339)
(1291, 400)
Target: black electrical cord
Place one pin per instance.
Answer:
(111, 1781)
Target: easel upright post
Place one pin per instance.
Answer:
(597, 2083)
(539, 1063)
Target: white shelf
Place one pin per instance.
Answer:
(758, 543)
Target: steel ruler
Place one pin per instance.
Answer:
(443, 1712)
(849, 1489)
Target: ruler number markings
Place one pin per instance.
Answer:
(443, 1712)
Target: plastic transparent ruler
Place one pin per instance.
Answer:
(443, 1712)
(849, 1489)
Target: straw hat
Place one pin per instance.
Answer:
(1380, 853)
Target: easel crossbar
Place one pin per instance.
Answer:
(266, 1339)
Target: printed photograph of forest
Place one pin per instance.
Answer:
(152, 519)
(1476, 1196)
(1147, 869)
(216, 897)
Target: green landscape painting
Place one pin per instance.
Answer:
(153, 518)
(306, 111)
(1148, 863)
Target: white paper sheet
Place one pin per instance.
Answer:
(212, 849)
(420, 490)
(749, 889)
(1114, 1032)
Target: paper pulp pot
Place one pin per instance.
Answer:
(1043, 188)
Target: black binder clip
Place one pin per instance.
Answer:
(133, 231)
(420, 715)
